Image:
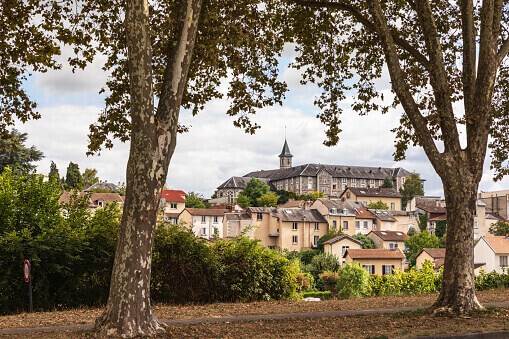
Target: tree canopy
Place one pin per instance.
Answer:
(378, 205)
(13, 152)
(73, 178)
(387, 183)
(194, 200)
(413, 186)
(367, 243)
(419, 241)
(500, 228)
(254, 190)
(89, 177)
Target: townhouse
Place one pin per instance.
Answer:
(376, 261)
(205, 223)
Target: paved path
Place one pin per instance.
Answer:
(491, 335)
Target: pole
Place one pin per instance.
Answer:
(30, 288)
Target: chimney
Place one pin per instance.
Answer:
(265, 208)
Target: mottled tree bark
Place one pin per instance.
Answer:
(153, 139)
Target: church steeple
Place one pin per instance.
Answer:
(285, 158)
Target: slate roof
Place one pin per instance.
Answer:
(400, 213)
(293, 204)
(373, 254)
(241, 182)
(499, 244)
(173, 196)
(286, 151)
(343, 236)
(383, 215)
(338, 204)
(206, 211)
(337, 171)
(291, 214)
(391, 235)
(426, 200)
(102, 185)
(238, 216)
(374, 192)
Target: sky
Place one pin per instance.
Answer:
(214, 150)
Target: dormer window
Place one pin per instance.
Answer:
(333, 211)
(345, 211)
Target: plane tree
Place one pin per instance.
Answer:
(448, 67)
(161, 56)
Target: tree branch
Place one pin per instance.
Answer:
(401, 88)
(502, 53)
(438, 78)
(469, 53)
(405, 45)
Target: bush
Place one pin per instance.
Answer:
(306, 255)
(304, 281)
(329, 281)
(409, 283)
(486, 281)
(353, 282)
(319, 264)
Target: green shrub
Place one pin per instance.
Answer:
(486, 281)
(353, 282)
(304, 281)
(329, 281)
(412, 282)
(323, 295)
(306, 255)
(319, 264)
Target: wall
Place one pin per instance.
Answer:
(337, 248)
(484, 254)
(398, 263)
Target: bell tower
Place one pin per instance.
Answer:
(285, 158)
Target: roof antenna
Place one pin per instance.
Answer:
(285, 132)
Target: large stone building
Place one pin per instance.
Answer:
(332, 180)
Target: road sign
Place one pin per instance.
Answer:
(27, 270)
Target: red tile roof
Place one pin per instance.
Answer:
(433, 209)
(174, 196)
(374, 254)
(435, 252)
(362, 213)
(498, 244)
(438, 217)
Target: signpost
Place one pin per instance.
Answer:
(28, 279)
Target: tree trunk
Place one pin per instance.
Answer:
(458, 282)
(128, 312)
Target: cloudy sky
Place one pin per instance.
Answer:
(214, 150)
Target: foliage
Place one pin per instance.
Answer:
(367, 243)
(353, 282)
(486, 281)
(411, 231)
(71, 257)
(306, 255)
(499, 228)
(440, 228)
(423, 222)
(419, 241)
(254, 190)
(89, 177)
(315, 195)
(13, 152)
(269, 199)
(387, 183)
(329, 281)
(243, 201)
(321, 263)
(244, 270)
(331, 233)
(412, 282)
(413, 186)
(305, 281)
(379, 205)
(194, 200)
(73, 178)
(53, 171)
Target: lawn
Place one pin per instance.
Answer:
(403, 324)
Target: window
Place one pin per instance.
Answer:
(387, 226)
(203, 219)
(259, 216)
(343, 249)
(391, 246)
(372, 181)
(475, 224)
(344, 187)
(409, 217)
(334, 223)
(387, 269)
(294, 226)
(344, 180)
(363, 181)
(333, 211)
(334, 186)
(215, 219)
(333, 179)
(353, 180)
(173, 206)
(353, 185)
(324, 181)
(370, 269)
(402, 180)
(393, 206)
(345, 225)
(365, 225)
(357, 225)
(295, 239)
(348, 195)
(316, 226)
(100, 203)
(315, 240)
(204, 231)
(503, 260)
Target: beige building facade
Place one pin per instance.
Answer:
(337, 246)
(376, 261)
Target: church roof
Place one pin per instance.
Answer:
(286, 151)
(336, 171)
